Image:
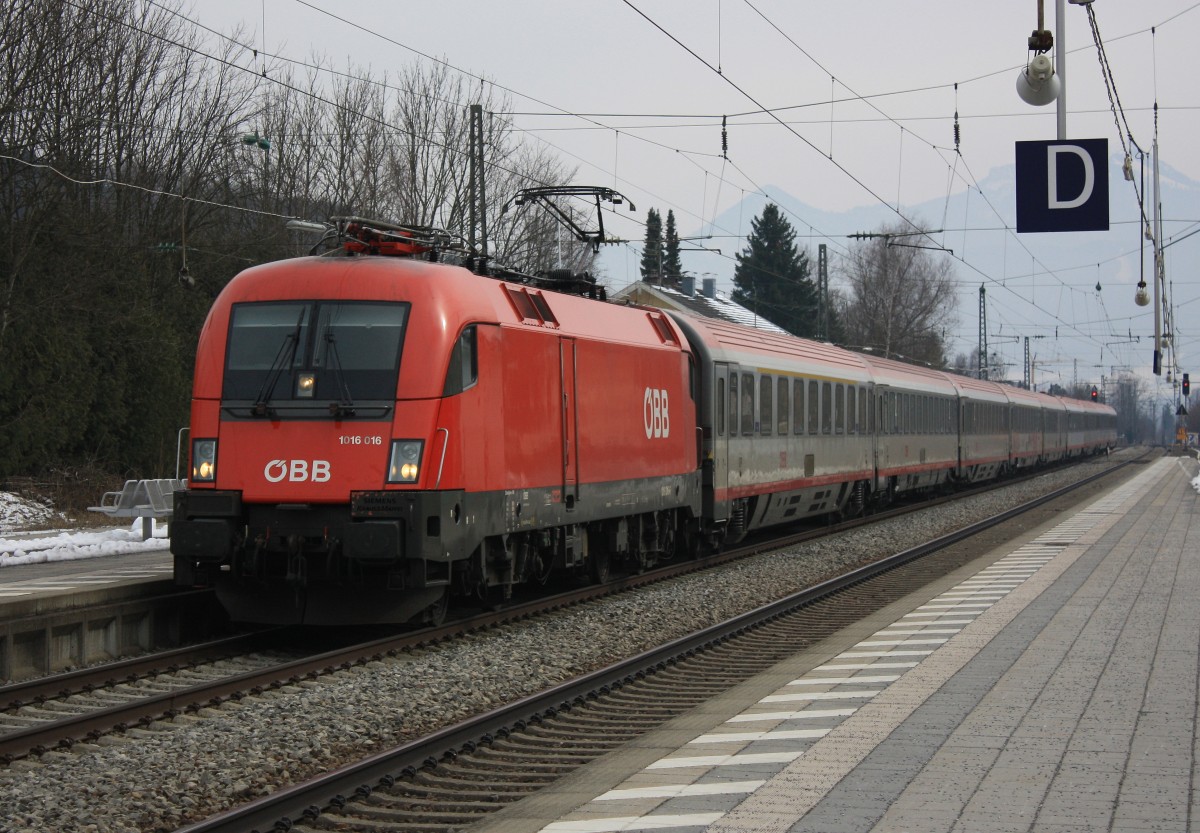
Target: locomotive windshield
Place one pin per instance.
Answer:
(296, 353)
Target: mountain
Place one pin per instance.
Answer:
(1042, 285)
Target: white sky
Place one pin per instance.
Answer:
(603, 57)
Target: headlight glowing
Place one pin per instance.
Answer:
(306, 385)
(405, 463)
(204, 460)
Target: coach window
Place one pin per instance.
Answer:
(766, 414)
(839, 409)
(851, 414)
(783, 399)
(798, 407)
(733, 404)
(826, 407)
(814, 408)
(720, 407)
(747, 404)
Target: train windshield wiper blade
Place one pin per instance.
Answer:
(287, 351)
(345, 404)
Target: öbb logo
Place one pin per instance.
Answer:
(297, 471)
(656, 413)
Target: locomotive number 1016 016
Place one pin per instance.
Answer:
(360, 439)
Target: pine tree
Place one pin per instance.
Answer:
(652, 249)
(772, 275)
(672, 266)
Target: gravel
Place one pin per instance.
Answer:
(184, 771)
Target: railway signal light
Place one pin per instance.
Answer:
(1095, 393)
(1187, 386)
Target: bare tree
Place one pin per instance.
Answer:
(899, 298)
(122, 161)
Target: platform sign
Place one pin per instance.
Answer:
(1062, 185)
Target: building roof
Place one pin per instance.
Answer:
(717, 306)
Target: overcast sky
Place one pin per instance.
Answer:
(889, 67)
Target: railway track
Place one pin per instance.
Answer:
(453, 777)
(58, 712)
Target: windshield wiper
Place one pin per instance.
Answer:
(287, 351)
(345, 405)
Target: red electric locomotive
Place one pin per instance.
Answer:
(371, 434)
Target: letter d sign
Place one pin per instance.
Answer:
(1062, 186)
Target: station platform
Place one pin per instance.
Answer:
(69, 584)
(1054, 690)
(61, 615)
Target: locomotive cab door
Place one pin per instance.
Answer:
(570, 443)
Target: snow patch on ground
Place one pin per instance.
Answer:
(20, 547)
(17, 512)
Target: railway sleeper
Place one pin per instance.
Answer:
(449, 776)
(680, 689)
(600, 724)
(535, 755)
(645, 708)
(565, 734)
(518, 745)
(544, 767)
(462, 811)
(417, 824)
(407, 793)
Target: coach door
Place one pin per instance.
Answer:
(570, 426)
(723, 404)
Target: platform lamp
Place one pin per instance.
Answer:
(1042, 81)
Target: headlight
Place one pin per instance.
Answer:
(405, 463)
(306, 385)
(204, 461)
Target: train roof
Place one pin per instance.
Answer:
(1085, 407)
(980, 389)
(459, 295)
(909, 376)
(444, 298)
(771, 351)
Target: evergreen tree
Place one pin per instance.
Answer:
(652, 249)
(772, 275)
(672, 266)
